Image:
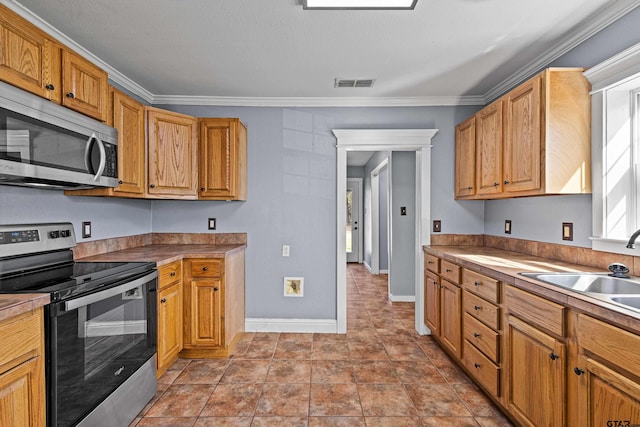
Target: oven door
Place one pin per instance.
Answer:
(96, 342)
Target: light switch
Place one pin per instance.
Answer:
(86, 229)
(212, 223)
(285, 250)
(567, 231)
(437, 226)
(507, 226)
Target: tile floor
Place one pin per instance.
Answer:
(379, 374)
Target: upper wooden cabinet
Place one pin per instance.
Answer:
(534, 140)
(32, 61)
(172, 154)
(85, 87)
(223, 159)
(465, 158)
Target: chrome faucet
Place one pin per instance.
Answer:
(632, 239)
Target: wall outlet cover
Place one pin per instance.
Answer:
(86, 229)
(567, 231)
(285, 250)
(293, 286)
(507, 226)
(437, 226)
(212, 224)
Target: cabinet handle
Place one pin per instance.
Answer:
(448, 271)
(163, 300)
(477, 283)
(71, 95)
(506, 182)
(152, 186)
(173, 274)
(215, 289)
(50, 87)
(469, 188)
(441, 286)
(553, 356)
(476, 335)
(476, 365)
(429, 262)
(476, 307)
(578, 371)
(495, 184)
(119, 182)
(201, 188)
(205, 268)
(434, 282)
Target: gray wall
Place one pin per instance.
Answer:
(355, 171)
(383, 219)
(403, 239)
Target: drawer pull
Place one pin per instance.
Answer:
(71, 95)
(477, 283)
(215, 289)
(441, 286)
(163, 300)
(476, 335)
(476, 365)
(205, 268)
(429, 262)
(435, 283)
(578, 371)
(469, 188)
(448, 270)
(476, 307)
(173, 274)
(553, 356)
(50, 87)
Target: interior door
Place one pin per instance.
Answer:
(353, 229)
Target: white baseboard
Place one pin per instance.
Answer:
(384, 272)
(402, 298)
(368, 267)
(325, 326)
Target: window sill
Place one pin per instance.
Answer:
(614, 246)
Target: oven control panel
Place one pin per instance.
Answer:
(31, 238)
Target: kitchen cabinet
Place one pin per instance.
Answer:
(465, 175)
(172, 155)
(432, 303)
(450, 323)
(170, 315)
(536, 359)
(32, 61)
(607, 370)
(22, 381)
(534, 140)
(213, 305)
(223, 159)
(127, 116)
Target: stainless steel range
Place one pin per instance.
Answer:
(100, 327)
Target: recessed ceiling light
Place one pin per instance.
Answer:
(359, 4)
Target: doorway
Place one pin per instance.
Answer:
(353, 232)
(416, 140)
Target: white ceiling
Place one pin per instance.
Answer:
(270, 52)
(358, 158)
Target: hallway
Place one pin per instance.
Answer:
(379, 374)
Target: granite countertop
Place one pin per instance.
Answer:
(12, 305)
(506, 265)
(165, 254)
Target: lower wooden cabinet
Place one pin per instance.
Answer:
(169, 315)
(22, 382)
(432, 303)
(450, 313)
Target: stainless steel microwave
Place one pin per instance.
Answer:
(45, 145)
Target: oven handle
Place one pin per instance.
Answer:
(107, 293)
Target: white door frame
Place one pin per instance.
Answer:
(375, 215)
(360, 248)
(418, 140)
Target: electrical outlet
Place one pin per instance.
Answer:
(567, 231)
(437, 226)
(293, 286)
(507, 226)
(86, 229)
(212, 223)
(285, 250)
(403, 210)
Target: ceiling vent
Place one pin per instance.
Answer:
(354, 83)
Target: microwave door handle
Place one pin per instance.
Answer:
(87, 153)
(108, 293)
(103, 158)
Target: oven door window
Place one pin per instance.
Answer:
(97, 347)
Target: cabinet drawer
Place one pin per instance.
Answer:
(432, 263)
(482, 368)
(536, 310)
(21, 339)
(450, 271)
(609, 342)
(482, 310)
(482, 337)
(169, 274)
(482, 285)
(206, 268)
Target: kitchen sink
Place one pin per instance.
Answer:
(622, 291)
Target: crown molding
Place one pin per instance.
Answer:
(598, 21)
(615, 69)
(370, 139)
(114, 75)
(229, 101)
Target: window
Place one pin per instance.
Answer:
(616, 150)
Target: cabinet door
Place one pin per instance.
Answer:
(205, 312)
(22, 395)
(522, 145)
(172, 154)
(85, 87)
(28, 58)
(606, 397)
(450, 313)
(536, 375)
(169, 324)
(465, 179)
(128, 119)
(489, 149)
(432, 303)
(223, 152)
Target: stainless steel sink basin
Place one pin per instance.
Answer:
(629, 301)
(597, 283)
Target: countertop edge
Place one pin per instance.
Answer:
(12, 305)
